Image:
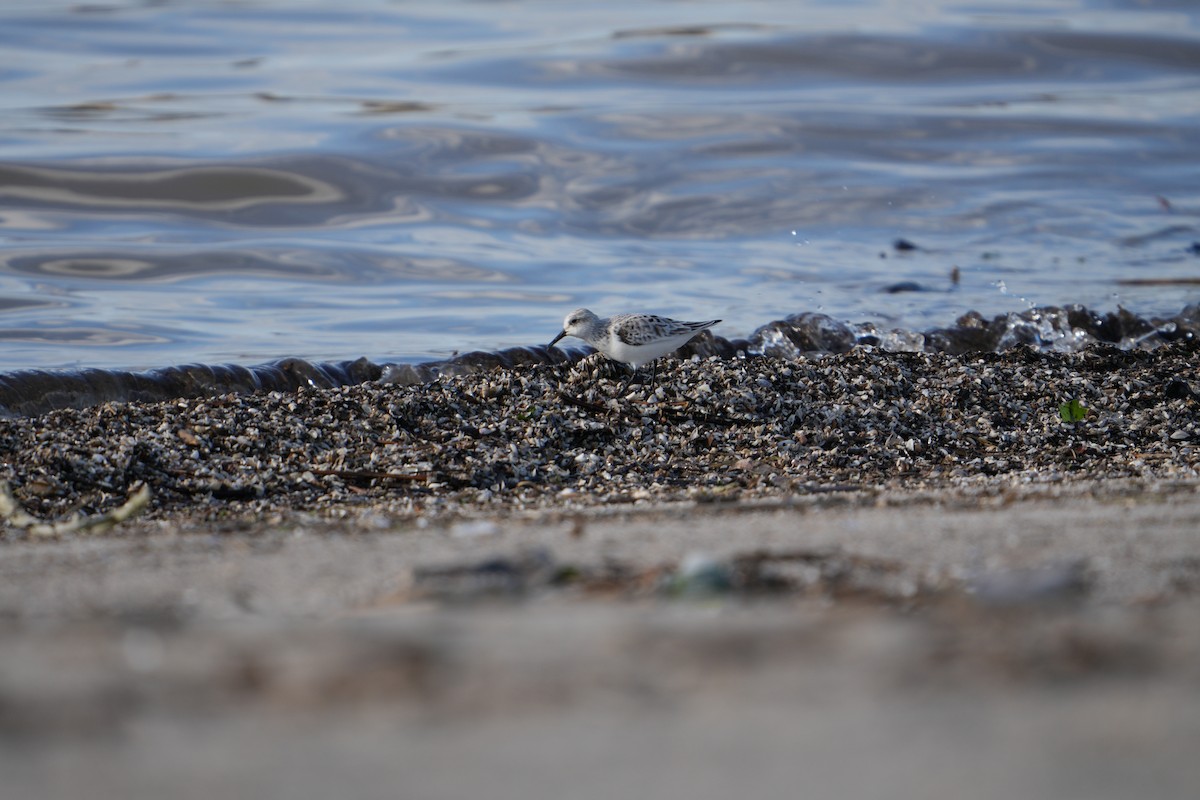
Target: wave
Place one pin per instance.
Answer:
(1047, 329)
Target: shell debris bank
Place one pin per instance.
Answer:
(566, 437)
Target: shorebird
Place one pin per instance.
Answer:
(631, 339)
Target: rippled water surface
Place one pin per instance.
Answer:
(237, 182)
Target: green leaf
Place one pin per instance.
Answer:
(1072, 411)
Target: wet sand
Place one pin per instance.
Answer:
(1044, 642)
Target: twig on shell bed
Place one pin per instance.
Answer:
(12, 513)
(372, 475)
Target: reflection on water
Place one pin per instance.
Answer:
(189, 189)
(210, 182)
(171, 264)
(80, 337)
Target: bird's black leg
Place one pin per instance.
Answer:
(632, 373)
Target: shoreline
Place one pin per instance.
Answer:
(1072, 327)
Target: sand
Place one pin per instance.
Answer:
(1038, 642)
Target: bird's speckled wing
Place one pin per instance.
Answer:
(639, 329)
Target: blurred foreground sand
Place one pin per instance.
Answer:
(1039, 644)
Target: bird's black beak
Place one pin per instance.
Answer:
(561, 334)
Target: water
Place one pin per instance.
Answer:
(239, 182)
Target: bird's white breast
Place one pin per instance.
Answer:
(637, 355)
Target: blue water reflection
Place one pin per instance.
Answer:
(196, 182)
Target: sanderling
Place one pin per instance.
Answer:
(632, 339)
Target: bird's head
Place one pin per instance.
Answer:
(575, 323)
